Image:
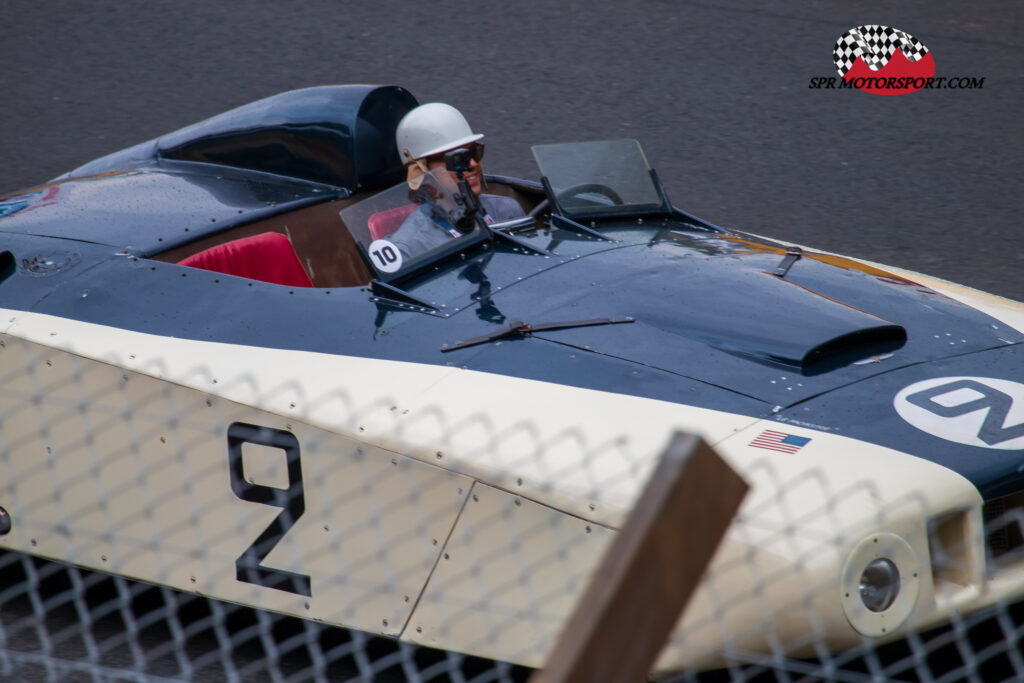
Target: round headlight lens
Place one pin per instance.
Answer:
(879, 584)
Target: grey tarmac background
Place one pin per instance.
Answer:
(717, 93)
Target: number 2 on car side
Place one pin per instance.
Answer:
(291, 500)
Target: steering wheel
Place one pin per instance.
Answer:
(566, 196)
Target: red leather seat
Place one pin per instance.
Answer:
(268, 257)
(383, 223)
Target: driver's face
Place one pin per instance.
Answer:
(475, 175)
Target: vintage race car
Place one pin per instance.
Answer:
(222, 374)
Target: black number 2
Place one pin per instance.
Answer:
(997, 404)
(291, 501)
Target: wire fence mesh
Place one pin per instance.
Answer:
(166, 522)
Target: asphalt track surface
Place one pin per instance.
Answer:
(716, 92)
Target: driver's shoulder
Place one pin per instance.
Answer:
(500, 207)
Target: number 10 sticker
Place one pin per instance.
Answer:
(385, 256)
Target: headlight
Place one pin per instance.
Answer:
(879, 584)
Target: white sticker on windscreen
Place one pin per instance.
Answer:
(385, 256)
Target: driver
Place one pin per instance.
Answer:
(423, 137)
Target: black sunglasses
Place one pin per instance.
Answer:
(476, 150)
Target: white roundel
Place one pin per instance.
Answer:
(385, 256)
(974, 411)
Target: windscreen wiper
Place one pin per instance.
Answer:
(520, 329)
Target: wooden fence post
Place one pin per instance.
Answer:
(649, 572)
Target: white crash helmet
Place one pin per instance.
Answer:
(431, 129)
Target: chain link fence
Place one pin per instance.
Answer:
(62, 623)
(164, 522)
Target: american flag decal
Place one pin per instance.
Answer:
(779, 441)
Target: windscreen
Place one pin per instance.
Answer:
(411, 223)
(601, 177)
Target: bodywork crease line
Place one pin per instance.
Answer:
(895, 369)
(652, 367)
(437, 558)
(71, 281)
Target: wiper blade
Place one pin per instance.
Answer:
(520, 329)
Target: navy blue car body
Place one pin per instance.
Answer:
(714, 326)
(604, 299)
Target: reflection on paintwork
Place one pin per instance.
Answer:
(752, 247)
(28, 201)
(155, 209)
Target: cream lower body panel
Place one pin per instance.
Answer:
(114, 455)
(120, 472)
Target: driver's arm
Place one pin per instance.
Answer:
(418, 234)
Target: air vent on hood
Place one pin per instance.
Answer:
(795, 326)
(854, 346)
(751, 312)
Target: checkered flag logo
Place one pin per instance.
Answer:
(876, 45)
